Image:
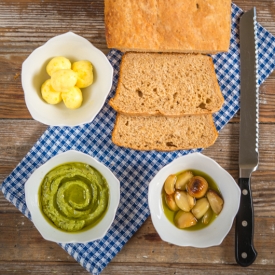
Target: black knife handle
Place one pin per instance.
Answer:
(245, 252)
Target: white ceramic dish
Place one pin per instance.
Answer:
(50, 232)
(214, 233)
(75, 48)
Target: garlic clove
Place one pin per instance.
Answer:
(216, 202)
(182, 179)
(207, 216)
(182, 200)
(191, 200)
(170, 202)
(184, 219)
(202, 205)
(197, 187)
(169, 184)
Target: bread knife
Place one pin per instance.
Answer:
(245, 252)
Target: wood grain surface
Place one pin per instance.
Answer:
(26, 25)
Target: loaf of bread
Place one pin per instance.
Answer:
(190, 26)
(170, 84)
(164, 133)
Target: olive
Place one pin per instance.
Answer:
(169, 184)
(170, 202)
(183, 200)
(200, 208)
(182, 179)
(184, 219)
(216, 202)
(197, 187)
(207, 216)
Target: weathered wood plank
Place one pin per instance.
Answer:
(37, 21)
(17, 138)
(23, 241)
(61, 268)
(41, 268)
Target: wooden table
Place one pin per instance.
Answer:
(26, 25)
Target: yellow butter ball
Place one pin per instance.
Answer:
(84, 70)
(63, 80)
(58, 63)
(73, 98)
(49, 94)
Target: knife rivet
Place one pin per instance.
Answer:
(245, 192)
(244, 255)
(244, 223)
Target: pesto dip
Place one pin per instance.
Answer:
(74, 196)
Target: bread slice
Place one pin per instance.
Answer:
(164, 133)
(201, 26)
(167, 84)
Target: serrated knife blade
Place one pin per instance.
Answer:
(248, 142)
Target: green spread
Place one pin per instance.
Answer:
(74, 196)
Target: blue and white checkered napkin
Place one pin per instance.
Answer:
(134, 169)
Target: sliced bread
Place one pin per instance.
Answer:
(164, 133)
(176, 26)
(167, 84)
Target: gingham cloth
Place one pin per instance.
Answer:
(134, 169)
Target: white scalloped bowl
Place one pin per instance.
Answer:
(46, 229)
(215, 232)
(75, 48)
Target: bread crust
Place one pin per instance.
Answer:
(115, 101)
(201, 26)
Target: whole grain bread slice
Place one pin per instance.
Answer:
(164, 133)
(167, 84)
